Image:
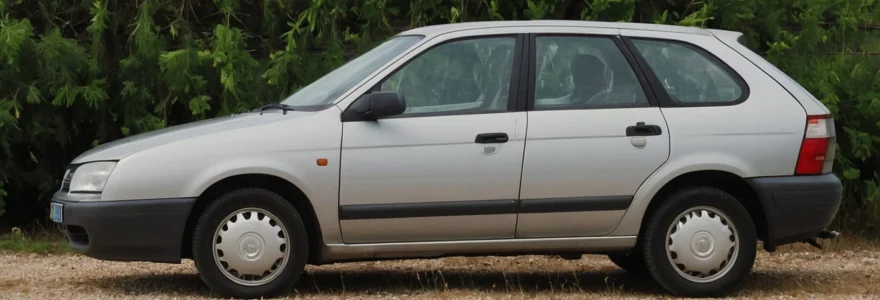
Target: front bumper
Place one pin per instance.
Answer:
(131, 230)
(797, 208)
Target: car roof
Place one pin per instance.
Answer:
(433, 30)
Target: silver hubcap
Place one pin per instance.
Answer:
(702, 244)
(250, 246)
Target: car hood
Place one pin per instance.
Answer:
(121, 148)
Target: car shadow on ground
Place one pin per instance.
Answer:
(368, 282)
(399, 281)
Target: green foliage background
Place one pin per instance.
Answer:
(76, 73)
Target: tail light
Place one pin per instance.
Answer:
(817, 150)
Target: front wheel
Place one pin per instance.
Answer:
(250, 243)
(700, 242)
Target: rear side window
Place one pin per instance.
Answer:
(583, 72)
(690, 75)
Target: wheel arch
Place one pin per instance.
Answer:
(728, 182)
(281, 186)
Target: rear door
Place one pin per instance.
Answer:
(595, 134)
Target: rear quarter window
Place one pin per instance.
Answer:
(690, 75)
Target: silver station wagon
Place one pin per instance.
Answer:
(672, 150)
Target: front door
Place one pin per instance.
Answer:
(594, 135)
(449, 167)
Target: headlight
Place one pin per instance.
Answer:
(91, 177)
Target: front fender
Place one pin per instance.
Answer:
(287, 150)
(320, 184)
(262, 164)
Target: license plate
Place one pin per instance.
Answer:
(56, 212)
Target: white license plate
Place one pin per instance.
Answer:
(56, 212)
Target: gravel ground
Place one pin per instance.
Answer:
(792, 273)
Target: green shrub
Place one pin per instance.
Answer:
(76, 73)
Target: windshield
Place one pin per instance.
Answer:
(326, 89)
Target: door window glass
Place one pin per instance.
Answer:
(584, 72)
(457, 77)
(329, 87)
(688, 74)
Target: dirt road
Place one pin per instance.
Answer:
(793, 273)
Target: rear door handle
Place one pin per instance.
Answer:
(491, 138)
(643, 130)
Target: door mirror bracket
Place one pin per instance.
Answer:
(372, 106)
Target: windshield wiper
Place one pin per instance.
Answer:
(283, 107)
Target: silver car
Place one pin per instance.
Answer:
(673, 150)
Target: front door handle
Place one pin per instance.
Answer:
(643, 130)
(491, 138)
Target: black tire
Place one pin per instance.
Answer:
(656, 243)
(223, 206)
(631, 262)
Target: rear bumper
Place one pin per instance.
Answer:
(797, 208)
(132, 230)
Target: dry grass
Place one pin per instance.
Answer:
(845, 270)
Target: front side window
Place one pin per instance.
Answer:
(463, 76)
(584, 72)
(688, 74)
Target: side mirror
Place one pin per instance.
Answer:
(375, 105)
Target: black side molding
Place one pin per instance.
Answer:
(482, 207)
(602, 203)
(426, 209)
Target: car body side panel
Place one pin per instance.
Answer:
(809, 102)
(398, 173)
(380, 154)
(567, 224)
(570, 153)
(358, 252)
(758, 137)
(425, 162)
(422, 229)
(287, 149)
(585, 153)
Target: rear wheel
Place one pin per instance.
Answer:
(250, 243)
(700, 242)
